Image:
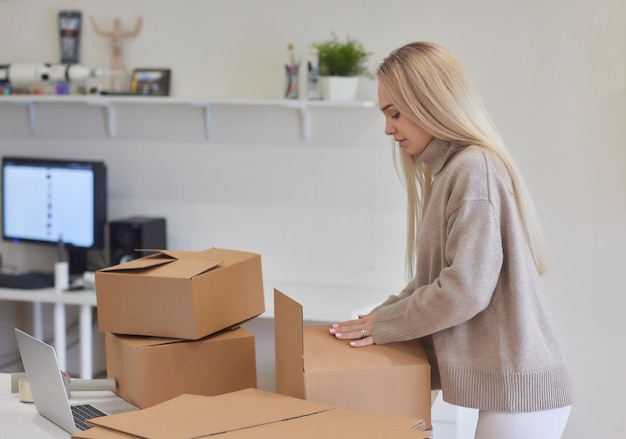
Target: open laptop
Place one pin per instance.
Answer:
(48, 389)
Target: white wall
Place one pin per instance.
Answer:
(552, 73)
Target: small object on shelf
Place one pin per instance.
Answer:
(62, 88)
(61, 276)
(70, 23)
(112, 93)
(313, 84)
(29, 74)
(117, 59)
(292, 69)
(344, 59)
(150, 82)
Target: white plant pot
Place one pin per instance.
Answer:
(339, 88)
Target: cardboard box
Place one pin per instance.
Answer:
(391, 379)
(180, 294)
(248, 414)
(149, 370)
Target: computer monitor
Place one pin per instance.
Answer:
(48, 201)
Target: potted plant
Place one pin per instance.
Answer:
(340, 65)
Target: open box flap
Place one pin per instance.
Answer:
(174, 254)
(136, 341)
(163, 266)
(158, 257)
(288, 333)
(185, 269)
(191, 416)
(154, 260)
(141, 341)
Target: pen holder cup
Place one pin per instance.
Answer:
(292, 81)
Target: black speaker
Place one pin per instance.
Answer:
(129, 234)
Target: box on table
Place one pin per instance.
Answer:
(180, 294)
(391, 379)
(150, 370)
(249, 414)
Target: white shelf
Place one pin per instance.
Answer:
(109, 104)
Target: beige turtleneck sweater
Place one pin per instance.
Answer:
(476, 301)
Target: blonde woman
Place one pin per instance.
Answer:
(474, 253)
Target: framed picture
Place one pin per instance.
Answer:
(150, 82)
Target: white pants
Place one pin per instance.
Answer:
(548, 424)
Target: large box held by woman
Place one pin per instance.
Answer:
(391, 379)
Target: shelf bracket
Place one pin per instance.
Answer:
(305, 119)
(110, 120)
(208, 120)
(305, 123)
(109, 116)
(32, 116)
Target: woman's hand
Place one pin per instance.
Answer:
(360, 330)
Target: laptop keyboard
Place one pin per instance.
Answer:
(82, 412)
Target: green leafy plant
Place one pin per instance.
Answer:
(342, 58)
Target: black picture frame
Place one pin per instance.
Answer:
(150, 82)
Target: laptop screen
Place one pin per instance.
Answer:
(45, 380)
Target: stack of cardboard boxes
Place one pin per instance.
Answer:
(171, 323)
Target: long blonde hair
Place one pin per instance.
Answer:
(430, 87)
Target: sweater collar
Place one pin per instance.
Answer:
(437, 153)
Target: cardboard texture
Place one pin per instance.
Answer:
(178, 294)
(148, 371)
(390, 379)
(248, 414)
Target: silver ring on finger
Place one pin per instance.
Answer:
(362, 333)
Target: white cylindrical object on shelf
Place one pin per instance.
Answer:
(61, 276)
(71, 72)
(22, 74)
(28, 74)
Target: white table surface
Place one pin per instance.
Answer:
(49, 295)
(320, 303)
(21, 420)
(85, 299)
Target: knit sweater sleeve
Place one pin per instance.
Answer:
(469, 268)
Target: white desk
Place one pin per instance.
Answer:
(321, 303)
(21, 420)
(85, 299)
